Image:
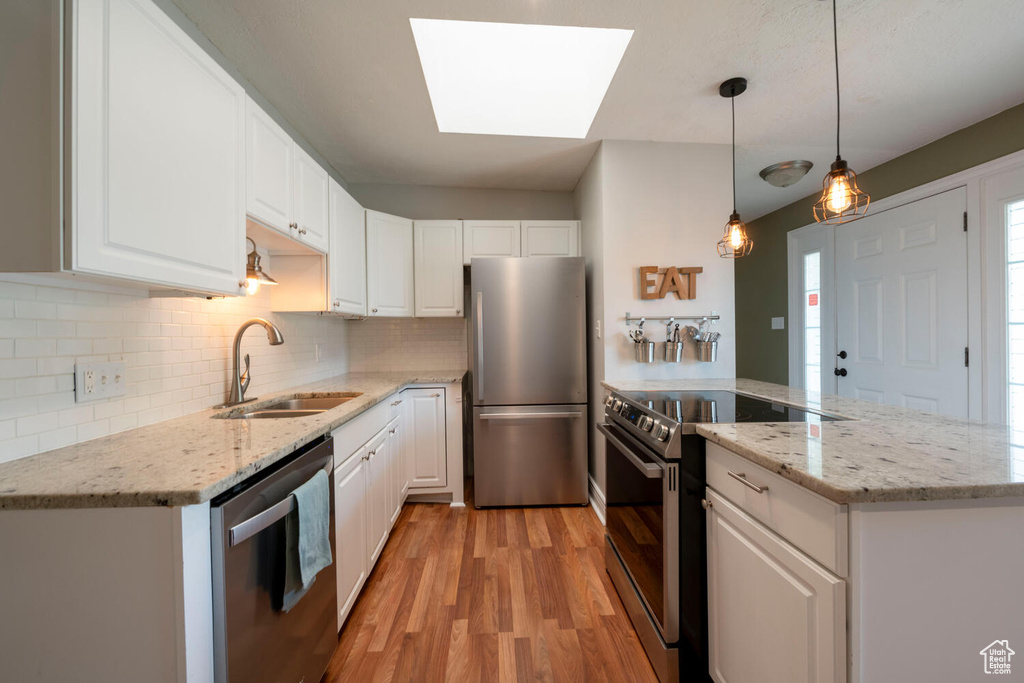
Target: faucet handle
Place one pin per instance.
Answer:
(245, 376)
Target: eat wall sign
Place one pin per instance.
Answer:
(682, 281)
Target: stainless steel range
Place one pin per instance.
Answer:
(655, 548)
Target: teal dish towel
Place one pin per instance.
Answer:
(307, 531)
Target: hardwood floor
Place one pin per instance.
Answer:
(461, 594)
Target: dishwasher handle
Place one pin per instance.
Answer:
(257, 523)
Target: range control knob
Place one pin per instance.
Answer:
(646, 423)
(661, 433)
(616, 405)
(609, 400)
(624, 408)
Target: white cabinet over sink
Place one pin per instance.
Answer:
(286, 189)
(437, 246)
(347, 256)
(389, 265)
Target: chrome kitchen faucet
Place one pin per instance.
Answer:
(240, 378)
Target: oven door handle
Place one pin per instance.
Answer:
(648, 469)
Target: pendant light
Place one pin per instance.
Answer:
(254, 275)
(841, 200)
(735, 243)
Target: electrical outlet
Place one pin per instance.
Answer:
(95, 381)
(778, 323)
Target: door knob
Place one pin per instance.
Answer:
(842, 354)
(840, 372)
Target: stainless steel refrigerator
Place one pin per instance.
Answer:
(528, 371)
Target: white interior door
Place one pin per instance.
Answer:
(901, 306)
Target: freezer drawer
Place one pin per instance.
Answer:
(530, 455)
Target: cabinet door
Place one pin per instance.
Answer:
(551, 238)
(347, 256)
(157, 153)
(268, 169)
(350, 527)
(377, 496)
(309, 202)
(395, 470)
(426, 427)
(774, 614)
(490, 238)
(389, 267)
(437, 247)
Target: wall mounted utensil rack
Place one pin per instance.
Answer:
(631, 320)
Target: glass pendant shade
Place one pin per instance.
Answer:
(841, 200)
(735, 242)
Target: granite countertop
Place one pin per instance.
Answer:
(881, 453)
(190, 459)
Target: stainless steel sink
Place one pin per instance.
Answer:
(298, 406)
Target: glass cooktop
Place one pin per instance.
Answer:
(719, 406)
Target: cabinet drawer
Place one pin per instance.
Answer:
(815, 525)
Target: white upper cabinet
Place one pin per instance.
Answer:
(157, 135)
(551, 238)
(286, 189)
(437, 246)
(490, 238)
(347, 256)
(268, 178)
(309, 200)
(389, 265)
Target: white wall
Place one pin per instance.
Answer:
(178, 355)
(657, 204)
(428, 202)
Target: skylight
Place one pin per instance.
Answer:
(517, 79)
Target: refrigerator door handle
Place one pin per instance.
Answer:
(526, 416)
(478, 371)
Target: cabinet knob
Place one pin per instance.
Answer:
(458, 311)
(302, 231)
(293, 226)
(337, 303)
(391, 431)
(706, 504)
(373, 310)
(435, 396)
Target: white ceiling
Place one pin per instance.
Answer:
(347, 76)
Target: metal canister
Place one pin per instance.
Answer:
(644, 351)
(707, 351)
(673, 351)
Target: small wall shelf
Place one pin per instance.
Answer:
(713, 317)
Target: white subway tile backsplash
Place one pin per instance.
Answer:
(399, 344)
(177, 353)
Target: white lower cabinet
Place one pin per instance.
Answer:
(378, 516)
(396, 469)
(428, 457)
(350, 530)
(774, 614)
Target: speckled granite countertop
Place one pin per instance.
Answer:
(882, 454)
(190, 459)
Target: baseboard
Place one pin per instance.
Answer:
(597, 500)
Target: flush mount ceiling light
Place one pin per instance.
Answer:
(735, 243)
(785, 173)
(517, 79)
(841, 200)
(254, 275)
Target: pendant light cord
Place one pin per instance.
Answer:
(835, 43)
(733, 99)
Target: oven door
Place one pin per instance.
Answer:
(643, 524)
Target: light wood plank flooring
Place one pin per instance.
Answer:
(461, 594)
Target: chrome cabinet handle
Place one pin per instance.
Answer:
(395, 403)
(293, 226)
(302, 231)
(257, 523)
(740, 478)
(435, 396)
(391, 431)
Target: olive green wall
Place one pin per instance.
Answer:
(761, 278)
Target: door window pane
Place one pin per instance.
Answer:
(1015, 333)
(812, 321)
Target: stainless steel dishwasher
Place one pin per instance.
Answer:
(254, 640)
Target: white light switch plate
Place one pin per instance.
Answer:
(778, 323)
(95, 381)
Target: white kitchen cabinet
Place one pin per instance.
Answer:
(389, 265)
(550, 238)
(396, 469)
(350, 530)
(425, 427)
(286, 189)
(437, 250)
(347, 256)
(490, 238)
(377, 485)
(310, 200)
(774, 614)
(157, 152)
(268, 168)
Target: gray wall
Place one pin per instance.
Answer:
(430, 202)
